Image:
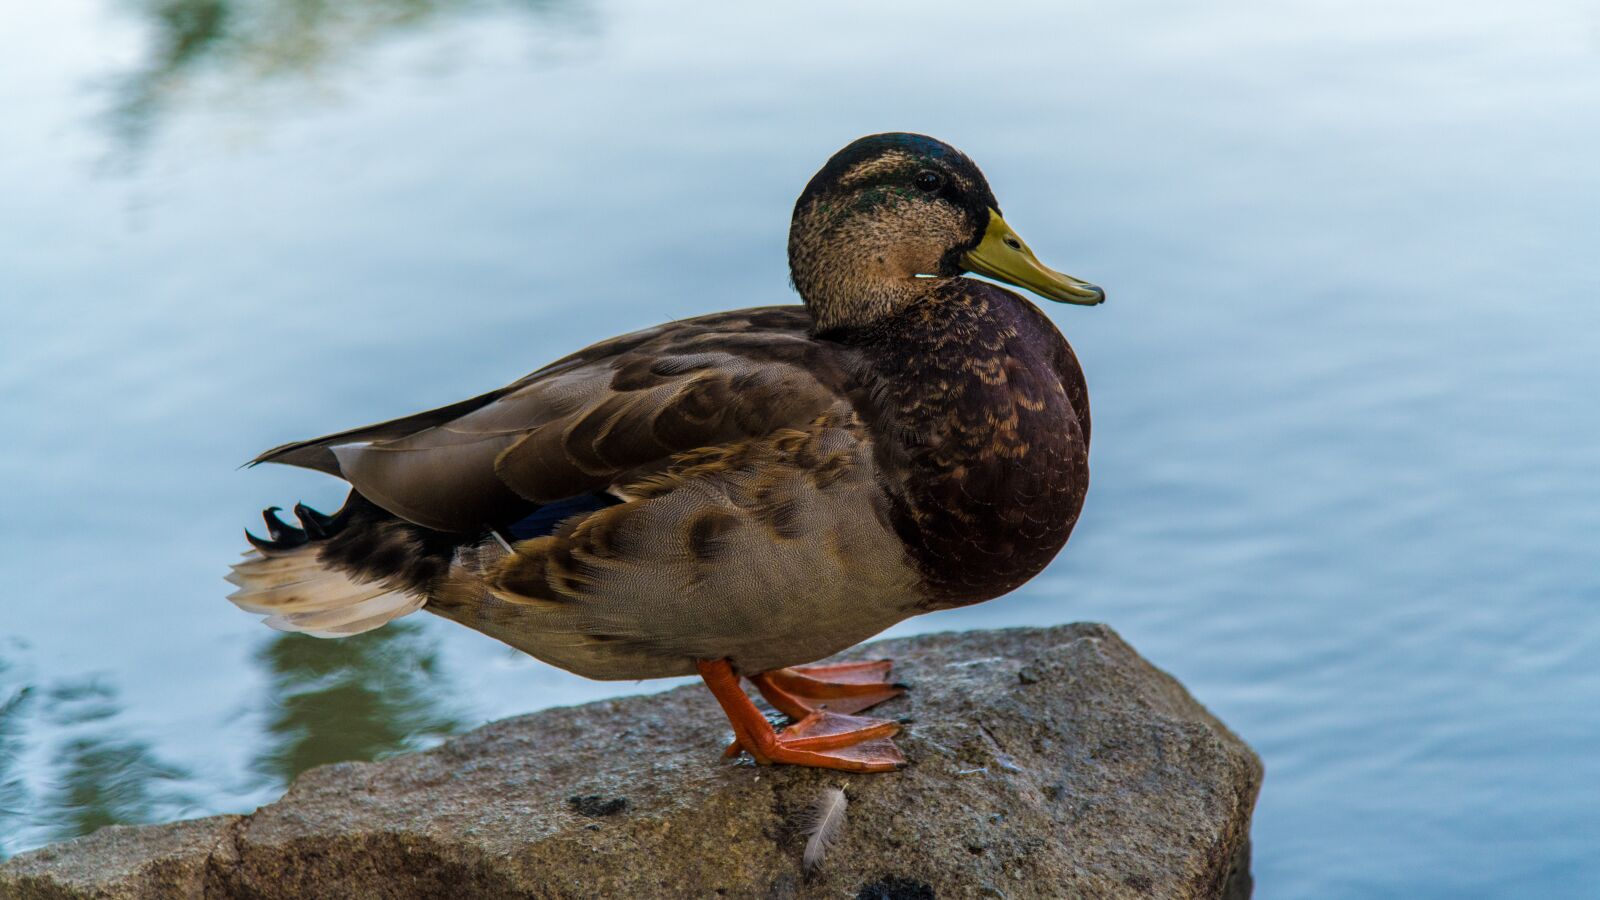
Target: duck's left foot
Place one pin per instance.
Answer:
(838, 687)
(821, 737)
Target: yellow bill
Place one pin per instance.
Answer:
(1003, 256)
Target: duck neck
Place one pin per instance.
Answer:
(852, 271)
(844, 297)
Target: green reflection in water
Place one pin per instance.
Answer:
(13, 793)
(100, 775)
(106, 780)
(97, 773)
(80, 702)
(361, 697)
(252, 41)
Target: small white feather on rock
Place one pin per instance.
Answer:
(824, 824)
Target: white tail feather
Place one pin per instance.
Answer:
(296, 593)
(376, 601)
(330, 590)
(265, 577)
(361, 625)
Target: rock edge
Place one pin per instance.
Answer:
(1049, 762)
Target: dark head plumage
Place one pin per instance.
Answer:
(897, 158)
(887, 212)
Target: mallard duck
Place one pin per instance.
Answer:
(742, 493)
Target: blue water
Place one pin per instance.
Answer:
(1345, 475)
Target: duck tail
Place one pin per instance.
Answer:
(334, 576)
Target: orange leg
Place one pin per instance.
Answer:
(820, 737)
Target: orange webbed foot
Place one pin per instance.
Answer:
(820, 700)
(838, 687)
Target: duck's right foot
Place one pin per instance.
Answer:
(819, 737)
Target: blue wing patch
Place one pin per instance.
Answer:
(544, 520)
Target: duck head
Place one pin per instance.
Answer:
(891, 211)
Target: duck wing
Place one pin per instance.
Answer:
(611, 413)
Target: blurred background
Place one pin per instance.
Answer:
(1345, 476)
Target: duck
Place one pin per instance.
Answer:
(741, 494)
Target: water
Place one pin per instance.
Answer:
(1345, 482)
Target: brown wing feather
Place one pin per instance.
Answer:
(317, 453)
(634, 426)
(772, 551)
(608, 414)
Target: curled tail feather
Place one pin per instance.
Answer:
(288, 579)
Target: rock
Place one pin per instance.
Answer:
(1043, 763)
(119, 862)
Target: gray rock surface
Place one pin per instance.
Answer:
(1043, 763)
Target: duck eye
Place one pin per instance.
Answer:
(929, 181)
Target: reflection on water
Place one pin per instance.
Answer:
(81, 701)
(13, 793)
(360, 698)
(101, 776)
(95, 774)
(247, 43)
(105, 780)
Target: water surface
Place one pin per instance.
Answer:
(1344, 463)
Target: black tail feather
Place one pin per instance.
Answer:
(283, 537)
(270, 547)
(317, 526)
(280, 530)
(364, 541)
